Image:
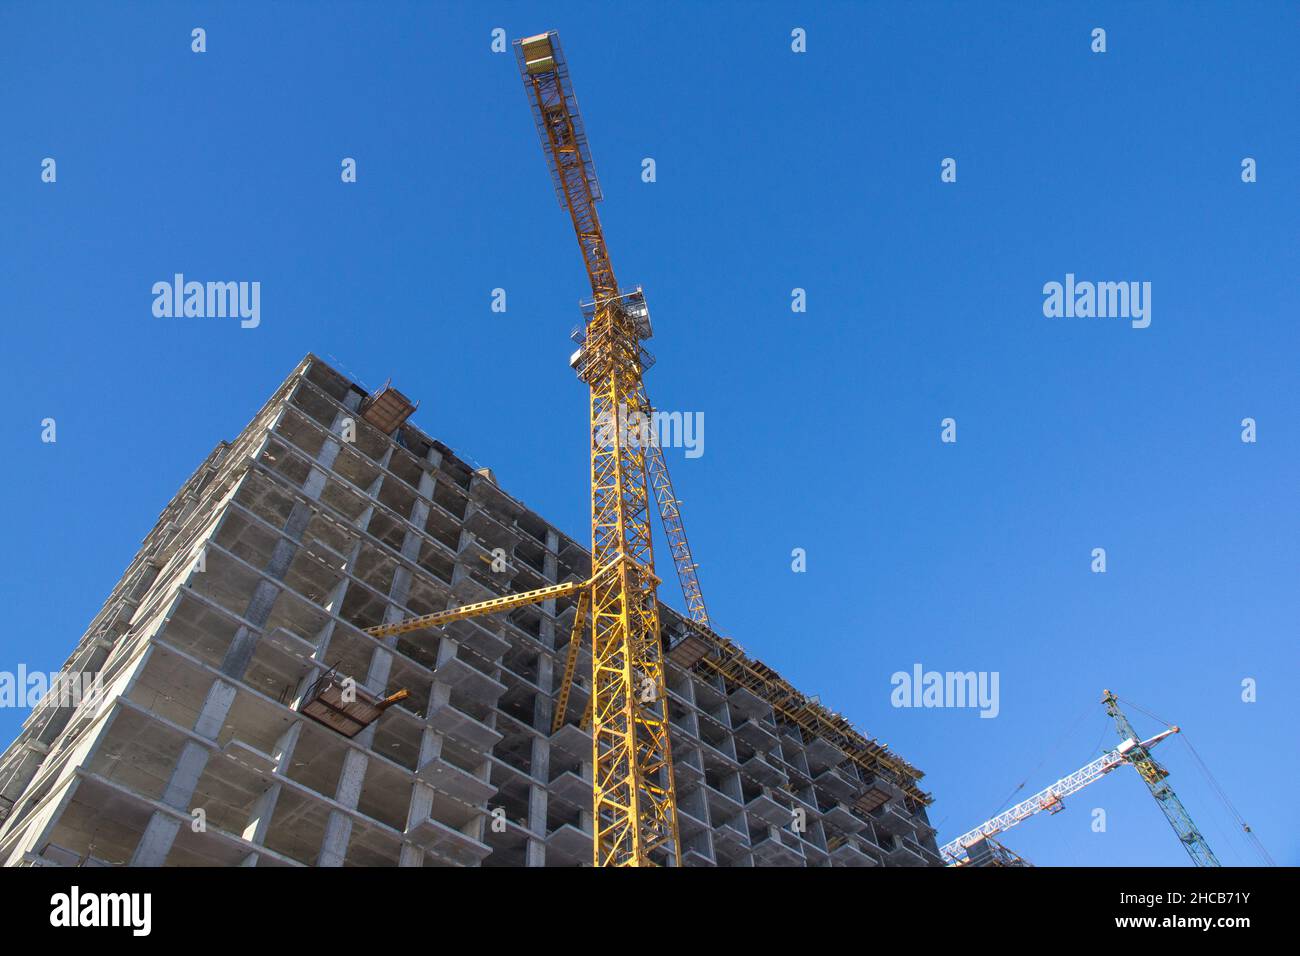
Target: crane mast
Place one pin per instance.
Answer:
(634, 801)
(1154, 776)
(634, 813)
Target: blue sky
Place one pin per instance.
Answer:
(775, 170)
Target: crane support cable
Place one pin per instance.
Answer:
(1046, 754)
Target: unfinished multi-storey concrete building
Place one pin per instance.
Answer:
(216, 741)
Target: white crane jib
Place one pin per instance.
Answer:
(1050, 799)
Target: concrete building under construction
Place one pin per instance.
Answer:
(223, 734)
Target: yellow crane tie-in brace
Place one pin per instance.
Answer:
(507, 603)
(571, 662)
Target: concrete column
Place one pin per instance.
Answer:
(421, 802)
(338, 829)
(156, 841)
(422, 794)
(537, 801)
(550, 571)
(160, 832)
(538, 795)
(259, 819)
(266, 593)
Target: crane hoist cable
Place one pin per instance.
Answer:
(1046, 754)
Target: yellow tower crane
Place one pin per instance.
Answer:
(634, 813)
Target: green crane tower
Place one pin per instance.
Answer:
(1155, 775)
